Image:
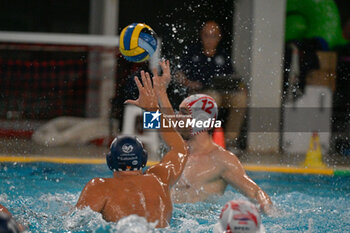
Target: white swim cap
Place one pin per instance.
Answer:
(202, 108)
(239, 217)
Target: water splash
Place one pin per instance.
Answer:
(135, 224)
(305, 203)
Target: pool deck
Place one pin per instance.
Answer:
(24, 151)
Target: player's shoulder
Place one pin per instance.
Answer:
(159, 167)
(223, 155)
(97, 182)
(161, 172)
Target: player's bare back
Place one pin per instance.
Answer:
(143, 195)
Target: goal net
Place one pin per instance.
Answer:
(45, 76)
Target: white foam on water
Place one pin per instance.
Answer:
(83, 220)
(57, 212)
(135, 224)
(299, 212)
(3, 198)
(88, 220)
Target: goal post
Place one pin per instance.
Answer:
(48, 75)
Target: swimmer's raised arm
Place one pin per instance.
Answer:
(173, 163)
(235, 175)
(160, 85)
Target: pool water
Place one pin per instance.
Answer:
(42, 195)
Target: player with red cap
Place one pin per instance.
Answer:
(210, 168)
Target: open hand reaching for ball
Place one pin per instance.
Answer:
(147, 98)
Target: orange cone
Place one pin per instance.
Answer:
(219, 137)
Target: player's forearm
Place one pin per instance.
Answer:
(254, 192)
(171, 137)
(177, 156)
(263, 199)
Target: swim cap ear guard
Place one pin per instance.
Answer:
(126, 154)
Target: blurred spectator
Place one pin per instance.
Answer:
(207, 68)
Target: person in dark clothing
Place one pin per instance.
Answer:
(207, 68)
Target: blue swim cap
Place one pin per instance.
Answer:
(126, 154)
